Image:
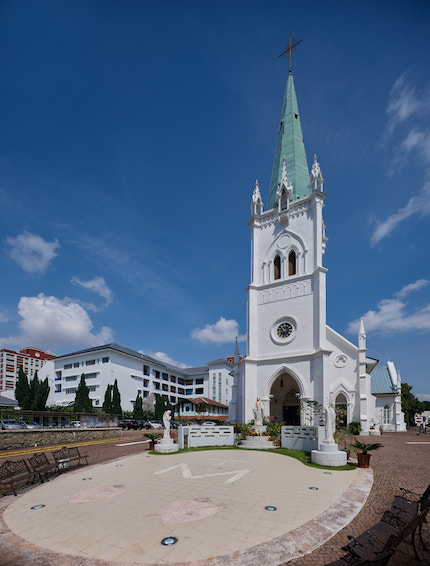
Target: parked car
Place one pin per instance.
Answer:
(209, 423)
(156, 424)
(50, 424)
(76, 424)
(129, 424)
(9, 424)
(30, 424)
(143, 424)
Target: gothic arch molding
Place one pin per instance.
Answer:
(303, 389)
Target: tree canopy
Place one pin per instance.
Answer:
(162, 405)
(138, 408)
(33, 395)
(22, 390)
(116, 400)
(83, 403)
(410, 404)
(107, 403)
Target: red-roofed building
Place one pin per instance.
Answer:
(202, 409)
(31, 359)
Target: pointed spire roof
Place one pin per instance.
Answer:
(290, 145)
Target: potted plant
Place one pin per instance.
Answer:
(362, 450)
(152, 437)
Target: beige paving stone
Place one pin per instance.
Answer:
(118, 514)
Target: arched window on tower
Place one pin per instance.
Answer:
(277, 268)
(292, 263)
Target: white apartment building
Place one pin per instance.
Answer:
(135, 373)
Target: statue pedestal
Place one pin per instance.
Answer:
(166, 446)
(329, 455)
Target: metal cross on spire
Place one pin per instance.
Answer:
(292, 44)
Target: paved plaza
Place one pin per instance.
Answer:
(212, 501)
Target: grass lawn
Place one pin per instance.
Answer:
(301, 455)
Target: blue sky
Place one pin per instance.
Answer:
(132, 135)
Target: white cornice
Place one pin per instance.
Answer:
(295, 357)
(290, 279)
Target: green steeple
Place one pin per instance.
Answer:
(290, 145)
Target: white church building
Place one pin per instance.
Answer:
(293, 357)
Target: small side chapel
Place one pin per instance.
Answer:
(293, 356)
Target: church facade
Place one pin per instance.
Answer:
(294, 360)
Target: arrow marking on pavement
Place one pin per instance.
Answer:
(186, 473)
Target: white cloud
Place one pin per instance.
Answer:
(392, 316)
(221, 331)
(423, 396)
(404, 102)
(3, 316)
(98, 285)
(32, 252)
(51, 323)
(419, 140)
(419, 204)
(408, 108)
(163, 357)
(419, 284)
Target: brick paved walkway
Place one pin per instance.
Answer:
(397, 464)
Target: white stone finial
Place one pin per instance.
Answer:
(256, 201)
(361, 335)
(284, 192)
(317, 181)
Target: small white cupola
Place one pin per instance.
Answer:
(285, 189)
(317, 181)
(256, 201)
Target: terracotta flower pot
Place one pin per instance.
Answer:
(363, 460)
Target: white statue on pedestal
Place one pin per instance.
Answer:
(330, 423)
(258, 412)
(167, 416)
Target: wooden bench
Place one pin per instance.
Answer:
(39, 463)
(13, 472)
(377, 544)
(66, 457)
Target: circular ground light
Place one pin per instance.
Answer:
(118, 465)
(169, 541)
(270, 508)
(327, 473)
(37, 506)
(86, 479)
(314, 488)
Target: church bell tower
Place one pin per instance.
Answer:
(286, 306)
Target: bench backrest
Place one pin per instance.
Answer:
(39, 461)
(12, 468)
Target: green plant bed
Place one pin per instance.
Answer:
(301, 455)
(305, 458)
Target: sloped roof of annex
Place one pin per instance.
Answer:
(197, 370)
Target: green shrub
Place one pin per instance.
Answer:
(355, 427)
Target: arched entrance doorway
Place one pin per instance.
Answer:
(285, 400)
(341, 411)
